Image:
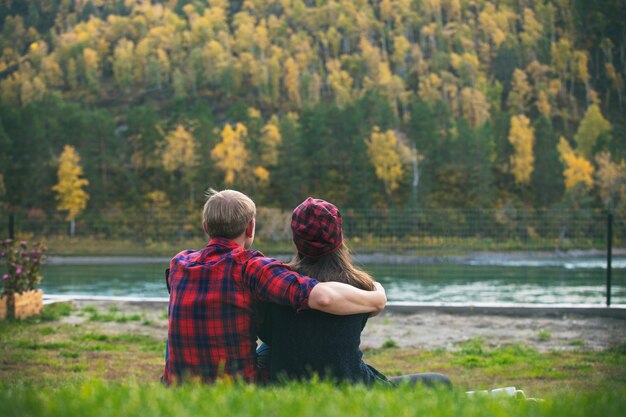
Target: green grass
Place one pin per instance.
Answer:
(544, 335)
(89, 246)
(44, 350)
(113, 315)
(51, 368)
(390, 343)
(413, 245)
(314, 399)
(474, 366)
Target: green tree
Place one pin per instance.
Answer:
(547, 176)
(288, 184)
(591, 127)
(424, 133)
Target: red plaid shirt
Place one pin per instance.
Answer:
(212, 315)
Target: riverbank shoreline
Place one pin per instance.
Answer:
(482, 257)
(408, 308)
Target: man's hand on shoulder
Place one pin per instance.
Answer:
(380, 289)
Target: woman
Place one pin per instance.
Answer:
(310, 342)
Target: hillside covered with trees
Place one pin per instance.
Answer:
(370, 104)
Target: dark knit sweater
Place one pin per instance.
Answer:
(311, 342)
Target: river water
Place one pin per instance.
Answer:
(530, 280)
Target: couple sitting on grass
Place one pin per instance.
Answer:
(309, 314)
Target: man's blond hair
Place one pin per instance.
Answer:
(227, 213)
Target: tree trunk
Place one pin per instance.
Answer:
(416, 174)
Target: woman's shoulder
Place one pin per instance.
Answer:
(284, 313)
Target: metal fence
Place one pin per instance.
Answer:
(448, 245)
(414, 231)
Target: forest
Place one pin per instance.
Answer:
(369, 104)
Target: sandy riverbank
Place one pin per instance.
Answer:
(424, 330)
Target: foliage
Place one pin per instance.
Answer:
(591, 127)
(578, 170)
(70, 194)
(446, 76)
(522, 137)
(23, 266)
(230, 155)
(388, 155)
(611, 179)
(180, 152)
(520, 94)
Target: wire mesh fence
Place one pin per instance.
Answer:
(414, 232)
(495, 255)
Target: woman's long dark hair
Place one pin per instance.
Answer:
(335, 266)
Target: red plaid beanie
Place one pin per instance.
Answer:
(316, 228)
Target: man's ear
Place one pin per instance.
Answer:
(250, 228)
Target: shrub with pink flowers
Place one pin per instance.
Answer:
(23, 266)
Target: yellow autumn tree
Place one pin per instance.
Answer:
(180, 150)
(386, 154)
(430, 88)
(520, 94)
(70, 195)
(292, 82)
(340, 82)
(452, 8)
(91, 65)
(401, 49)
(270, 139)
(51, 71)
(467, 66)
(475, 106)
(522, 137)
(581, 70)
(543, 104)
(493, 24)
(532, 28)
(123, 63)
(231, 155)
(262, 176)
(610, 178)
(180, 156)
(578, 170)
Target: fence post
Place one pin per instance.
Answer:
(11, 225)
(609, 250)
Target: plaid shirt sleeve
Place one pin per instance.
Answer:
(270, 280)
